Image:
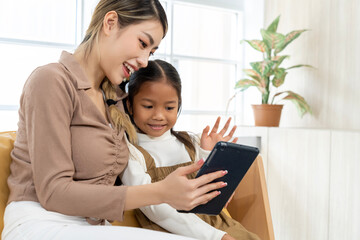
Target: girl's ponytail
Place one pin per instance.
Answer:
(120, 119)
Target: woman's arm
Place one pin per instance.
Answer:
(176, 190)
(164, 215)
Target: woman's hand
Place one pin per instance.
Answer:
(227, 237)
(208, 140)
(184, 194)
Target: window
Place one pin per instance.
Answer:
(34, 33)
(202, 43)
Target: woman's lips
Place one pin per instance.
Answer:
(126, 71)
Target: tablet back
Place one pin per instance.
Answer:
(234, 158)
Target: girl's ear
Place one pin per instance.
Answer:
(110, 22)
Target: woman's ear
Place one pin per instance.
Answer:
(110, 22)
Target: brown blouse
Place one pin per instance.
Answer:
(66, 156)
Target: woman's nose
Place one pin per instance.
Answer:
(143, 60)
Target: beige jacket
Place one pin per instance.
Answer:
(66, 156)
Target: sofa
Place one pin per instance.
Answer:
(250, 204)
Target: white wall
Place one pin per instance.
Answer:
(313, 181)
(332, 46)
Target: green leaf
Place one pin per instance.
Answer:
(256, 44)
(272, 39)
(273, 26)
(263, 68)
(299, 102)
(300, 65)
(253, 74)
(279, 77)
(279, 59)
(244, 84)
(288, 39)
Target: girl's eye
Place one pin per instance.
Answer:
(170, 108)
(147, 106)
(143, 44)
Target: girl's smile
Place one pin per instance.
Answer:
(155, 108)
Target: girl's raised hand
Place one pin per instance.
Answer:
(208, 140)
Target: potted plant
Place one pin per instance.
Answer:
(267, 75)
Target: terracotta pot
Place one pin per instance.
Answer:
(267, 115)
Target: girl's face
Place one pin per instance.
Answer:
(125, 50)
(155, 108)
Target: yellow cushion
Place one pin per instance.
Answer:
(226, 212)
(129, 220)
(6, 145)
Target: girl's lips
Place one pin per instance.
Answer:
(156, 127)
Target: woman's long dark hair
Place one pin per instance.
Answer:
(157, 70)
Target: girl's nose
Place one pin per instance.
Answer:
(158, 115)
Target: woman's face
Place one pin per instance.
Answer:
(155, 108)
(125, 50)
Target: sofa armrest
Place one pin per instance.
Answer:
(250, 204)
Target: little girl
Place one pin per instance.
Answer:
(154, 103)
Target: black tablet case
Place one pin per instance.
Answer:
(234, 158)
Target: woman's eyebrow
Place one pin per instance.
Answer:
(150, 38)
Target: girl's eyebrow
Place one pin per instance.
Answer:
(151, 39)
(149, 100)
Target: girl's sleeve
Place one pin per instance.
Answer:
(48, 106)
(186, 224)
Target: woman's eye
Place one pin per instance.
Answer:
(143, 44)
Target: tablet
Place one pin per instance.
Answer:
(234, 158)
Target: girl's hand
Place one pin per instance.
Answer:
(208, 140)
(227, 237)
(184, 194)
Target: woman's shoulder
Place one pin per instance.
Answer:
(48, 77)
(49, 73)
(49, 81)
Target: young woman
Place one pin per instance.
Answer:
(154, 104)
(70, 147)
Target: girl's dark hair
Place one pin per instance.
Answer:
(158, 70)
